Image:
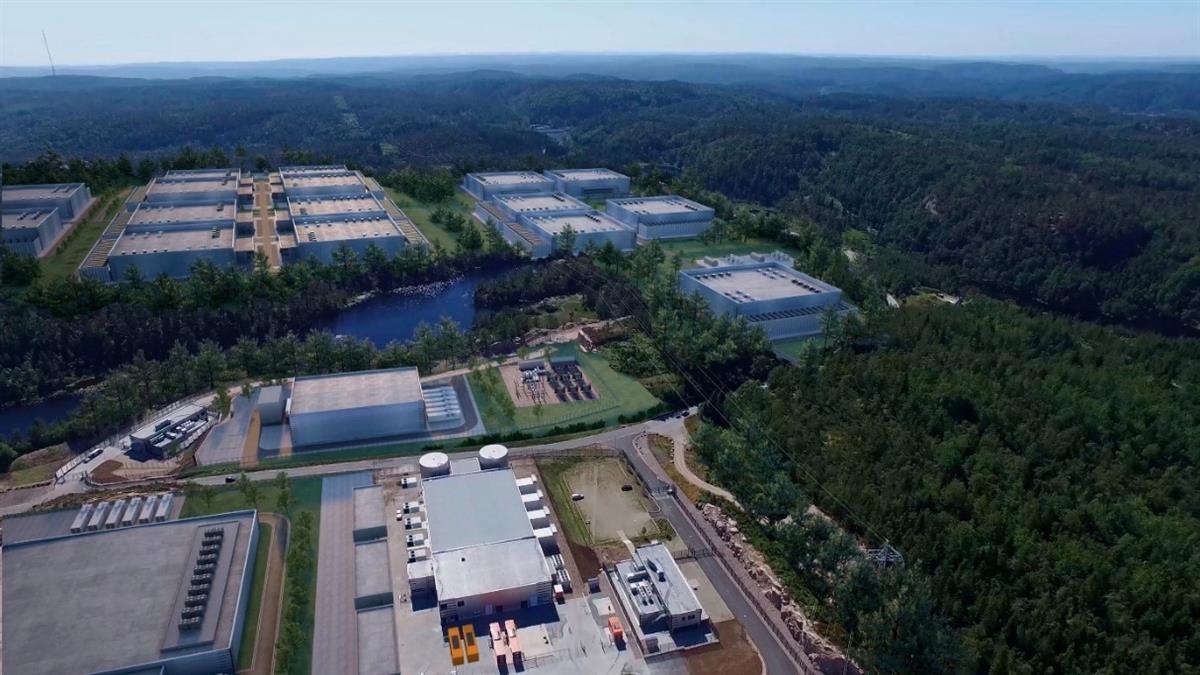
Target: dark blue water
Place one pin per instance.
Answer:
(395, 316)
(17, 420)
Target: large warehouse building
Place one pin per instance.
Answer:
(163, 598)
(484, 186)
(319, 209)
(34, 217)
(767, 290)
(666, 217)
(368, 405)
(486, 556)
(70, 199)
(590, 183)
(195, 186)
(322, 181)
(30, 231)
(512, 207)
(168, 238)
(590, 227)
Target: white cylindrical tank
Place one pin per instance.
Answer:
(434, 464)
(493, 456)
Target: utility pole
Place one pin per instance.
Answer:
(48, 56)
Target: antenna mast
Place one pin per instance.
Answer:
(47, 43)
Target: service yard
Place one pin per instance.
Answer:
(607, 509)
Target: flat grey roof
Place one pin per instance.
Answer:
(377, 642)
(323, 206)
(104, 600)
(155, 213)
(44, 191)
(510, 178)
(585, 174)
(372, 574)
(188, 185)
(661, 205)
(40, 525)
(323, 179)
(675, 591)
(470, 509)
(368, 507)
(312, 168)
(487, 568)
(583, 223)
(203, 173)
(762, 281)
(535, 203)
(24, 218)
(343, 228)
(322, 393)
(161, 241)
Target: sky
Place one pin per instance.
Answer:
(99, 32)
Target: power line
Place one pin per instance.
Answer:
(48, 56)
(741, 409)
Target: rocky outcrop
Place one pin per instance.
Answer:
(824, 655)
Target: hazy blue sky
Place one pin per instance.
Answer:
(99, 32)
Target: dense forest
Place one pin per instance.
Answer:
(1037, 471)
(1041, 472)
(1076, 208)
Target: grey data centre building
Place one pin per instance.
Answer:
(359, 406)
(589, 183)
(767, 291)
(167, 598)
(665, 217)
(484, 186)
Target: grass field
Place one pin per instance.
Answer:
(618, 395)
(254, 607)
(422, 215)
(792, 348)
(606, 510)
(692, 249)
(64, 261)
(306, 493)
(36, 467)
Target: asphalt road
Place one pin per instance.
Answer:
(775, 659)
(335, 622)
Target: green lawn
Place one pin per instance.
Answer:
(64, 261)
(618, 395)
(554, 472)
(792, 348)
(306, 493)
(692, 249)
(254, 608)
(422, 212)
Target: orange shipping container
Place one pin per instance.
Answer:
(468, 631)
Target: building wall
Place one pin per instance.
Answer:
(357, 424)
(324, 250)
(798, 326)
(539, 251)
(176, 264)
(605, 186)
(70, 204)
(33, 240)
(623, 239)
(680, 225)
(480, 190)
(512, 215)
(226, 194)
(510, 599)
(723, 305)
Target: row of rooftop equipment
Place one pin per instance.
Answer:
(136, 510)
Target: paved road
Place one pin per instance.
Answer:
(335, 622)
(775, 658)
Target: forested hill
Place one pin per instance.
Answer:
(1075, 208)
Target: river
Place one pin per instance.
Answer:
(395, 316)
(18, 419)
(381, 319)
